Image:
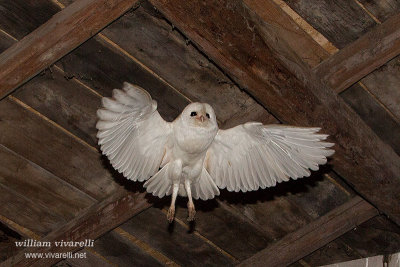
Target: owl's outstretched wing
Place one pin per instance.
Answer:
(253, 155)
(132, 133)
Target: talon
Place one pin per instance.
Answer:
(171, 214)
(192, 212)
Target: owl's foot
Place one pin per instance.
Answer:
(171, 214)
(192, 211)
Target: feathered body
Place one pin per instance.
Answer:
(192, 157)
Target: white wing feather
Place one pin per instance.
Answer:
(253, 155)
(132, 133)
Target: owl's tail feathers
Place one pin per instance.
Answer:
(205, 187)
(160, 184)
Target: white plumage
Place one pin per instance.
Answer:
(192, 157)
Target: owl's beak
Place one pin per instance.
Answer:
(201, 118)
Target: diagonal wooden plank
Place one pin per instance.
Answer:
(258, 60)
(313, 236)
(61, 34)
(90, 224)
(363, 56)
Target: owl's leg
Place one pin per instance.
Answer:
(175, 173)
(171, 210)
(190, 204)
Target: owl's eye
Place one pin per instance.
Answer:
(194, 113)
(207, 115)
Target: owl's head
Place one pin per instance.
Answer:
(199, 114)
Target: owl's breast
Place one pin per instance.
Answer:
(194, 139)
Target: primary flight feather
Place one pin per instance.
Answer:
(192, 157)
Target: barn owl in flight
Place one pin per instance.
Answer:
(191, 157)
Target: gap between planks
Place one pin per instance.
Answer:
(368, 12)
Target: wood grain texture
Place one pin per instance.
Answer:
(226, 229)
(90, 224)
(321, 231)
(66, 102)
(374, 115)
(17, 19)
(298, 40)
(185, 249)
(122, 252)
(384, 84)
(30, 215)
(382, 9)
(54, 39)
(340, 21)
(101, 66)
(58, 152)
(148, 37)
(40, 186)
(283, 84)
(363, 56)
(376, 236)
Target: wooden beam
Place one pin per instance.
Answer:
(249, 51)
(363, 56)
(57, 37)
(315, 235)
(90, 224)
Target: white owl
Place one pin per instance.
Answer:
(191, 157)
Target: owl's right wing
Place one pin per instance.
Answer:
(253, 155)
(132, 133)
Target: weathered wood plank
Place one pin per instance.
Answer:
(26, 213)
(374, 115)
(340, 21)
(54, 39)
(148, 37)
(226, 229)
(363, 56)
(122, 252)
(19, 18)
(66, 102)
(41, 142)
(384, 84)
(283, 84)
(382, 9)
(376, 236)
(185, 249)
(103, 67)
(40, 186)
(90, 224)
(298, 40)
(335, 251)
(6, 41)
(319, 232)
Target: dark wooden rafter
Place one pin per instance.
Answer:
(258, 60)
(361, 57)
(56, 38)
(318, 233)
(90, 224)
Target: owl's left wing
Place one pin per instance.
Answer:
(253, 155)
(132, 133)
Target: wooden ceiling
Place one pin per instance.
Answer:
(332, 64)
